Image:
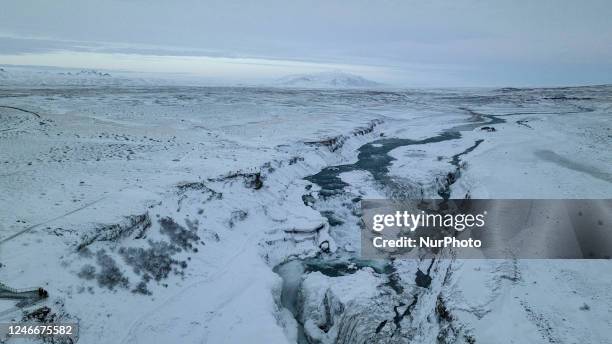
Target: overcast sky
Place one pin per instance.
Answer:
(413, 43)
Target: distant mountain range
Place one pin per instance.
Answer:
(326, 80)
(50, 76)
(88, 72)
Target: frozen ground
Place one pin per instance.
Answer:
(158, 214)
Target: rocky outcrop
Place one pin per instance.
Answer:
(336, 142)
(135, 225)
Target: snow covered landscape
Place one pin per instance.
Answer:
(152, 212)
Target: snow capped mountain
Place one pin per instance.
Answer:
(327, 80)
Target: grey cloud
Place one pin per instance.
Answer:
(516, 36)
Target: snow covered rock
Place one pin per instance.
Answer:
(338, 309)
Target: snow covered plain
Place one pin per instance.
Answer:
(164, 214)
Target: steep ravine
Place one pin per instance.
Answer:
(374, 158)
